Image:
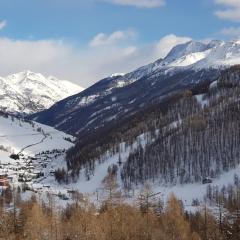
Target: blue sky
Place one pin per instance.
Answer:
(85, 40)
(80, 20)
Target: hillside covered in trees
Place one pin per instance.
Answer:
(187, 138)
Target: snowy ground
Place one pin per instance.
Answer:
(41, 150)
(187, 192)
(16, 135)
(94, 187)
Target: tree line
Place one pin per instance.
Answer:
(113, 219)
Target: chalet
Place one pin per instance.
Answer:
(63, 196)
(206, 181)
(4, 184)
(37, 187)
(24, 177)
(3, 175)
(14, 156)
(10, 178)
(38, 174)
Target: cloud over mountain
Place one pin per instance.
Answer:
(83, 65)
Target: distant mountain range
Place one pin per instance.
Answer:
(119, 96)
(27, 92)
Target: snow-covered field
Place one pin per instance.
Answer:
(41, 150)
(17, 134)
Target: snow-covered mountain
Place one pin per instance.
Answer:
(180, 145)
(177, 145)
(27, 92)
(198, 55)
(151, 125)
(121, 95)
(193, 55)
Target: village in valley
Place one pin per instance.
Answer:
(30, 154)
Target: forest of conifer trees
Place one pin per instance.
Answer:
(185, 139)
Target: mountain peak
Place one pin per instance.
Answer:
(185, 49)
(201, 55)
(29, 92)
(25, 75)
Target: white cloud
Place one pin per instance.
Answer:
(231, 31)
(3, 24)
(232, 3)
(138, 3)
(230, 11)
(84, 65)
(102, 39)
(167, 43)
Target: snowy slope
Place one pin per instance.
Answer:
(41, 149)
(120, 94)
(185, 65)
(16, 134)
(94, 187)
(199, 55)
(192, 55)
(28, 92)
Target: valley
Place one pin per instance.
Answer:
(120, 120)
(31, 153)
(167, 130)
(157, 125)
